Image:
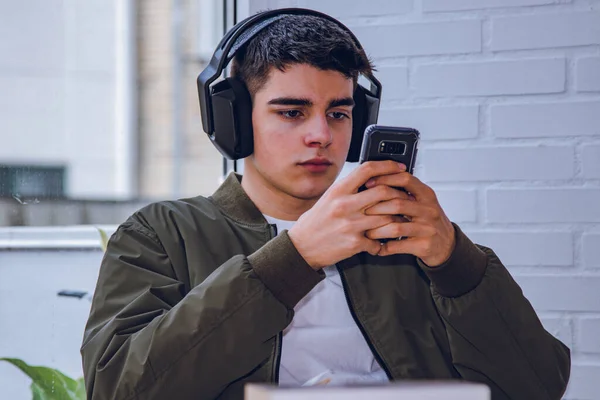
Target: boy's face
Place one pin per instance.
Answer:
(302, 121)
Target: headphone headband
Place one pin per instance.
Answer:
(226, 107)
(244, 31)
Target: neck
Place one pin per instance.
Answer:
(271, 201)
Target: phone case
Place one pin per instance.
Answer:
(378, 139)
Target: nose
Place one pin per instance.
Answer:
(319, 132)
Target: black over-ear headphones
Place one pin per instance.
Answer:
(226, 107)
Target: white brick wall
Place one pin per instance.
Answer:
(506, 94)
(591, 161)
(588, 74)
(545, 30)
(415, 38)
(490, 78)
(555, 205)
(460, 5)
(508, 163)
(588, 338)
(461, 204)
(591, 250)
(584, 381)
(528, 248)
(566, 118)
(359, 8)
(435, 123)
(397, 76)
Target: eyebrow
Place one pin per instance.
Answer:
(295, 101)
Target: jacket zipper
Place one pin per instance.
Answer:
(361, 327)
(277, 358)
(279, 337)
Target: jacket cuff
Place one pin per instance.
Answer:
(462, 272)
(284, 271)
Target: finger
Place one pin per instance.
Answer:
(399, 206)
(366, 171)
(412, 246)
(401, 229)
(399, 193)
(373, 247)
(377, 194)
(409, 182)
(366, 223)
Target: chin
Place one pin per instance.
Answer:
(309, 194)
(312, 188)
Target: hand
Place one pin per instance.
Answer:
(428, 235)
(334, 228)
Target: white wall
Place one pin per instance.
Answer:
(65, 91)
(506, 94)
(36, 325)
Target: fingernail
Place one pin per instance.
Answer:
(370, 183)
(402, 167)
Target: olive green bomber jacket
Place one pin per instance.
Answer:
(192, 297)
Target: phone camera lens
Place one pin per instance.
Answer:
(392, 147)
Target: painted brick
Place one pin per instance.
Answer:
(544, 31)
(561, 292)
(591, 250)
(560, 328)
(583, 383)
(395, 82)
(490, 78)
(459, 205)
(435, 123)
(588, 339)
(591, 161)
(588, 74)
(580, 118)
(518, 248)
(463, 5)
(358, 8)
(497, 163)
(544, 205)
(453, 37)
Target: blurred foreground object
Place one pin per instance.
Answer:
(403, 390)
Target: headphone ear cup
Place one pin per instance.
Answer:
(365, 113)
(232, 119)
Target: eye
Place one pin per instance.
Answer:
(290, 114)
(337, 115)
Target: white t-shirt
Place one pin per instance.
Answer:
(323, 340)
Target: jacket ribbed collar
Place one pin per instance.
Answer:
(233, 201)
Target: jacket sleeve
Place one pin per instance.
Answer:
(494, 333)
(146, 338)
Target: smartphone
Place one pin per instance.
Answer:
(382, 143)
(390, 143)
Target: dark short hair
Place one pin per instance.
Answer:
(299, 39)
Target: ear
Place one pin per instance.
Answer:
(232, 117)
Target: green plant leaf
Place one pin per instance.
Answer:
(37, 393)
(103, 238)
(80, 392)
(48, 382)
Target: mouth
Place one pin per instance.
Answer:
(316, 164)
